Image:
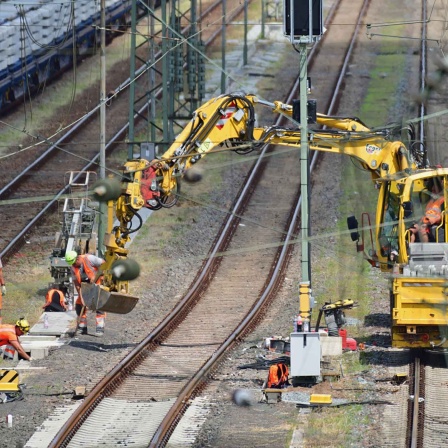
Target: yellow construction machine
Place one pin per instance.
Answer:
(418, 287)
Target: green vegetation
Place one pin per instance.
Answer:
(331, 426)
(25, 299)
(389, 71)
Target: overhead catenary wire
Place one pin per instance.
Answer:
(181, 40)
(126, 85)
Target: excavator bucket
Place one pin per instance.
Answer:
(98, 298)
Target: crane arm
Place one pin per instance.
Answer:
(376, 154)
(230, 120)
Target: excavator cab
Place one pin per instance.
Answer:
(424, 193)
(418, 297)
(402, 203)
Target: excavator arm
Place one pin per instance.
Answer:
(227, 119)
(418, 291)
(230, 121)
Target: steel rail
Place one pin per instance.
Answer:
(117, 374)
(8, 250)
(166, 427)
(17, 241)
(112, 379)
(415, 405)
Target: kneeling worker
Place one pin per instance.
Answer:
(85, 268)
(9, 341)
(55, 300)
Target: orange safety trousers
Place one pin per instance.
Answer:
(8, 351)
(100, 317)
(90, 271)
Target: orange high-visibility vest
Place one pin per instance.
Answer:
(273, 378)
(285, 373)
(7, 334)
(89, 269)
(433, 212)
(278, 375)
(49, 297)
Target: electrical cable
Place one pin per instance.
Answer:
(74, 57)
(70, 23)
(181, 40)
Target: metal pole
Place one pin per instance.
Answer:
(195, 41)
(263, 18)
(165, 87)
(172, 95)
(245, 34)
(152, 79)
(223, 48)
(132, 80)
(103, 206)
(304, 178)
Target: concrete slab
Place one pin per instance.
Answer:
(37, 353)
(47, 431)
(24, 365)
(331, 346)
(38, 349)
(37, 338)
(58, 324)
(42, 344)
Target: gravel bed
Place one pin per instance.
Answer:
(171, 254)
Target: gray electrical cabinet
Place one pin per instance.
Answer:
(305, 354)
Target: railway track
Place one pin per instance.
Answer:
(427, 425)
(417, 420)
(172, 364)
(38, 179)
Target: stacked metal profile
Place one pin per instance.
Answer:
(40, 39)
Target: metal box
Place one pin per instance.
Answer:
(303, 17)
(305, 354)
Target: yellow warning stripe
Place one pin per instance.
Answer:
(9, 381)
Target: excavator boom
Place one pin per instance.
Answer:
(396, 168)
(229, 121)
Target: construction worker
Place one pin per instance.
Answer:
(85, 268)
(278, 376)
(421, 231)
(55, 300)
(9, 341)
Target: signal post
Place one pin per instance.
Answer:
(303, 26)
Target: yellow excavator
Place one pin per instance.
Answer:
(419, 269)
